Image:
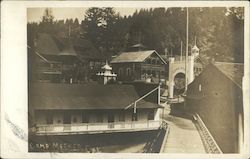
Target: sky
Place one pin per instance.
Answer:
(35, 14)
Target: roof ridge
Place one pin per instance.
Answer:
(225, 74)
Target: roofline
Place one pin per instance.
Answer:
(158, 106)
(160, 57)
(227, 75)
(229, 63)
(153, 51)
(38, 54)
(128, 62)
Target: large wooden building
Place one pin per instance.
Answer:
(216, 96)
(63, 59)
(64, 109)
(139, 65)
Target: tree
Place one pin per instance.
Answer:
(46, 25)
(98, 25)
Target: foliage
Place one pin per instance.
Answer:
(219, 31)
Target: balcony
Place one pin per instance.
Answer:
(92, 128)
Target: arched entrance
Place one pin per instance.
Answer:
(179, 83)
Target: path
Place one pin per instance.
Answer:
(183, 136)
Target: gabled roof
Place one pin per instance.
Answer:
(52, 45)
(43, 96)
(234, 71)
(138, 56)
(46, 44)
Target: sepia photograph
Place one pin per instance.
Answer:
(136, 80)
(126, 79)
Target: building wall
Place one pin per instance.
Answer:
(76, 116)
(218, 101)
(151, 66)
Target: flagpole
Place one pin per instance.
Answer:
(186, 60)
(181, 51)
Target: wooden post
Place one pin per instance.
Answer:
(135, 108)
(159, 94)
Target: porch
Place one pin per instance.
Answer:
(92, 128)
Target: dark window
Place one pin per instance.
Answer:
(121, 117)
(151, 115)
(143, 72)
(66, 118)
(148, 72)
(74, 119)
(120, 71)
(99, 118)
(148, 61)
(153, 73)
(49, 118)
(162, 73)
(128, 72)
(85, 117)
(111, 118)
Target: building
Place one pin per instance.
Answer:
(200, 62)
(65, 109)
(78, 58)
(216, 96)
(139, 65)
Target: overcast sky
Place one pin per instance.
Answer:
(35, 14)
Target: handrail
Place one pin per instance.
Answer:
(158, 87)
(85, 124)
(209, 134)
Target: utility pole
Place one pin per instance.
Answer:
(181, 51)
(186, 60)
(69, 29)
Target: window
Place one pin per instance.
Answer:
(120, 71)
(151, 115)
(49, 118)
(66, 118)
(128, 72)
(85, 117)
(148, 61)
(153, 73)
(148, 72)
(122, 117)
(163, 74)
(143, 72)
(199, 87)
(99, 118)
(74, 120)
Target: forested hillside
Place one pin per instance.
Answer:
(219, 31)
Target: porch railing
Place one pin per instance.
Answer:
(88, 127)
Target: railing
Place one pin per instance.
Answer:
(209, 143)
(49, 70)
(95, 127)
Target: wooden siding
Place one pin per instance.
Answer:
(218, 101)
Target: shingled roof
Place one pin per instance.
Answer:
(44, 96)
(52, 45)
(234, 71)
(138, 56)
